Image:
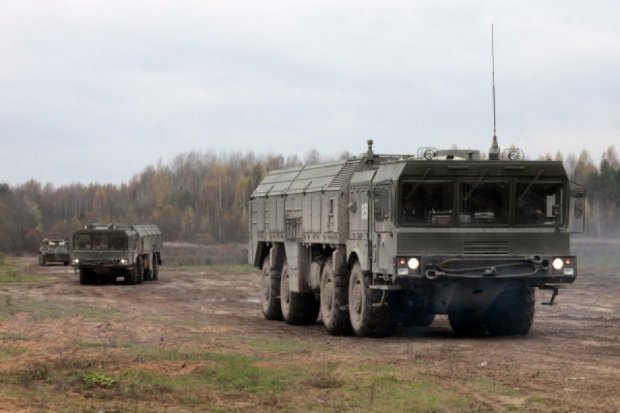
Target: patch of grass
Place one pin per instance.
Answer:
(12, 336)
(243, 373)
(51, 309)
(9, 273)
(10, 351)
(276, 345)
(495, 387)
(98, 379)
(100, 345)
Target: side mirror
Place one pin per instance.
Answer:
(578, 192)
(580, 207)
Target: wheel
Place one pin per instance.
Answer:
(65, 263)
(155, 267)
(297, 308)
(134, 275)
(40, 259)
(334, 293)
(366, 319)
(85, 276)
(466, 322)
(43, 261)
(139, 269)
(270, 292)
(512, 312)
(148, 272)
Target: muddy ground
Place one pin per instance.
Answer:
(569, 362)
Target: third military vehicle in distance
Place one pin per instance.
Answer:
(105, 252)
(54, 250)
(377, 240)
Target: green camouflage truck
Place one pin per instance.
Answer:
(105, 252)
(374, 241)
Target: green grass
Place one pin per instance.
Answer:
(230, 382)
(10, 351)
(11, 274)
(52, 309)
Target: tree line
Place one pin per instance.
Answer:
(201, 197)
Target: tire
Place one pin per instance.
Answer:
(366, 319)
(148, 272)
(297, 308)
(139, 269)
(155, 267)
(40, 259)
(270, 292)
(134, 275)
(65, 263)
(466, 322)
(512, 312)
(85, 276)
(43, 261)
(334, 295)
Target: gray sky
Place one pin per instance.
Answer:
(94, 91)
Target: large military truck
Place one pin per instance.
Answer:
(106, 252)
(376, 240)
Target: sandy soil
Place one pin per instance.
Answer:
(571, 356)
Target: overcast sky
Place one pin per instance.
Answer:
(94, 91)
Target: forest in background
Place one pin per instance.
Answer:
(201, 197)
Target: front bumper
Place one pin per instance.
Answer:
(534, 269)
(56, 257)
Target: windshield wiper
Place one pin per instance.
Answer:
(475, 185)
(417, 185)
(529, 186)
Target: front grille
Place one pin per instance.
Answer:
(485, 247)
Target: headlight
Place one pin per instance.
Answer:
(75, 261)
(413, 263)
(124, 261)
(558, 264)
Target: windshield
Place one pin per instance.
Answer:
(100, 242)
(479, 202)
(427, 203)
(485, 203)
(539, 203)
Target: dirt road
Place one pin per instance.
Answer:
(66, 347)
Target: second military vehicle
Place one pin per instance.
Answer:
(374, 240)
(54, 250)
(105, 252)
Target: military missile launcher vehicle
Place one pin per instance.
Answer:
(105, 252)
(54, 250)
(374, 241)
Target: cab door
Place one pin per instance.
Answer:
(382, 228)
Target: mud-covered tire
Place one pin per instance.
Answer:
(135, 275)
(366, 319)
(297, 308)
(86, 277)
(139, 269)
(334, 307)
(270, 292)
(512, 312)
(466, 322)
(148, 272)
(155, 267)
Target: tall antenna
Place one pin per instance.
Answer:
(494, 151)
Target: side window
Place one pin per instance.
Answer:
(381, 196)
